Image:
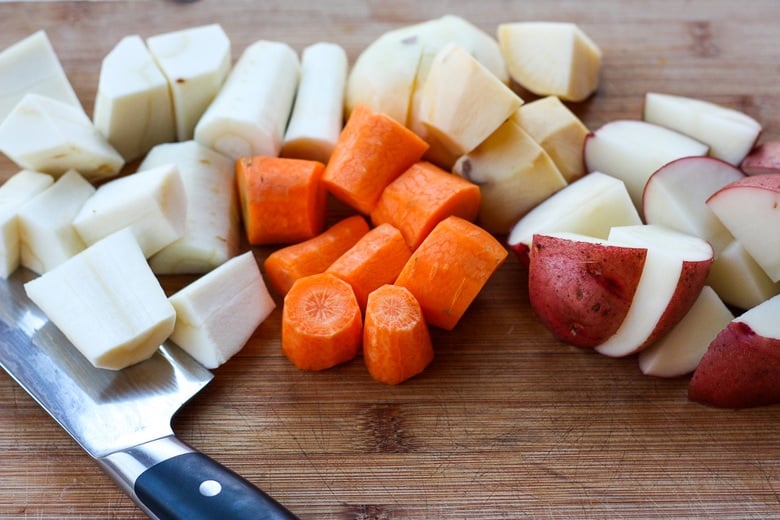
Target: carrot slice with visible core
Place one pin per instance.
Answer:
(282, 200)
(312, 256)
(423, 196)
(450, 268)
(376, 259)
(396, 341)
(321, 322)
(372, 150)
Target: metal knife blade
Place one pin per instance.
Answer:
(123, 418)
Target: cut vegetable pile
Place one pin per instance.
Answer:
(638, 237)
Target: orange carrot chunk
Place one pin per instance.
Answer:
(376, 259)
(321, 322)
(450, 268)
(372, 150)
(282, 200)
(423, 196)
(396, 341)
(312, 256)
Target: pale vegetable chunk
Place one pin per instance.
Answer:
(47, 237)
(387, 72)
(739, 280)
(32, 66)
(558, 130)
(462, 102)
(195, 62)
(729, 133)
(50, 136)
(153, 203)
(133, 107)
(211, 230)
(14, 193)
(250, 112)
(218, 313)
(318, 113)
(107, 302)
(633, 150)
(514, 174)
(551, 58)
(679, 351)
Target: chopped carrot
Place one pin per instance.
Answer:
(396, 341)
(423, 196)
(312, 256)
(282, 200)
(321, 322)
(372, 150)
(450, 268)
(375, 260)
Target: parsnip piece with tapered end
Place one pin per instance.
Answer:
(31, 66)
(152, 203)
(107, 302)
(133, 107)
(551, 58)
(250, 113)
(46, 236)
(50, 136)
(462, 102)
(218, 313)
(211, 231)
(14, 193)
(195, 62)
(318, 112)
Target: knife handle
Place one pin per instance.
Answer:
(170, 480)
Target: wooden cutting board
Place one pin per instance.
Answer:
(507, 422)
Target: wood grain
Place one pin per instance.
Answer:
(507, 422)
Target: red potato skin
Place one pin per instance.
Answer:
(764, 181)
(523, 252)
(582, 291)
(765, 158)
(693, 278)
(739, 370)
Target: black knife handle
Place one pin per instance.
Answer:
(194, 486)
(170, 480)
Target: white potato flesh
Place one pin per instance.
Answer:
(679, 351)
(632, 150)
(14, 193)
(762, 318)
(249, 114)
(592, 205)
(749, 209)
(107, 302)
(318, 113)
(738, 279)
(50, 136)
(667, 250)
(152, 203)
(211, 230)
(729, 133)
(31, 66)
(46, 234)
(133, 107)
(218, 313)
(676, 196)
(195, 61)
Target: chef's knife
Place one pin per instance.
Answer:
(123, 418)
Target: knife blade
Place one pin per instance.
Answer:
(122, 419)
